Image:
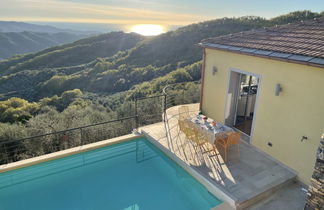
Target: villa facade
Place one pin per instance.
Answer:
(268, 84)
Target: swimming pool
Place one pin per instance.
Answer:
(133, 175)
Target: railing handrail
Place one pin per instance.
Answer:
(67, 130)
(141, 98)
(179, 83)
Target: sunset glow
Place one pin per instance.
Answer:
(148, 29)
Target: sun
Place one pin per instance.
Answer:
(148, 29)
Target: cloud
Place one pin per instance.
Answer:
(67, 11)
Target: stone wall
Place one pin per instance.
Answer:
(315, 195)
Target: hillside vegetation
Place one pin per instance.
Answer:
(79, 52)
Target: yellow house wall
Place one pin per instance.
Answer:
(281, 120)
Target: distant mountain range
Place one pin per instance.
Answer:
(14, 43)
(13, 26)
(20, 38)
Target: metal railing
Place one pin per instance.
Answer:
(147, 110)
(15, 150)
(189, 93)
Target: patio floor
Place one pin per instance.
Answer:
(246, 179)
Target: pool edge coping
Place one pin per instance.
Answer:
(67, 152)
(228, 202)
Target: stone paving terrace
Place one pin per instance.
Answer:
(246, 179)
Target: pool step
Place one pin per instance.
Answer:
(144, 152)
(109, 153)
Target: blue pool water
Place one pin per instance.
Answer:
(133, 175)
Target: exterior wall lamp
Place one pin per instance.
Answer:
(278, 89)
(214, 70)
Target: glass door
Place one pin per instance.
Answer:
(245, 103)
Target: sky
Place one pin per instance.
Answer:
(126, 13)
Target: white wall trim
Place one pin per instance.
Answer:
(244, 72)
(226, 95)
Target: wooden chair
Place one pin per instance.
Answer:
(183, 112)
(228, 139)
(187, 130)
(199, 138)
(181, 124)
(196, 138)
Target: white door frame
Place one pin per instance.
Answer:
(259, 77)
(236, 99)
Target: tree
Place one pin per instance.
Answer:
(17, 110)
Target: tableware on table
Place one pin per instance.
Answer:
(219, 125)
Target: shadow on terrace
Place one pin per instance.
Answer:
(246, 179)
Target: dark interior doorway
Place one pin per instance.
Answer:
(245, 102)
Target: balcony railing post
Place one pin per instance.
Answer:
(6, 155)
(164, 107)
(183, 96)
(81, 137)
(136, 114)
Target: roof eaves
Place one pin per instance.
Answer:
(319, 61)
(280, 55)
(263, 52)
(300, 58)
(307, 60)
(248, 50)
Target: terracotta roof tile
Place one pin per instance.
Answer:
(303, 38)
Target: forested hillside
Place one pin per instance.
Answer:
(13, 43)
(97, 78)
(79, 52)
